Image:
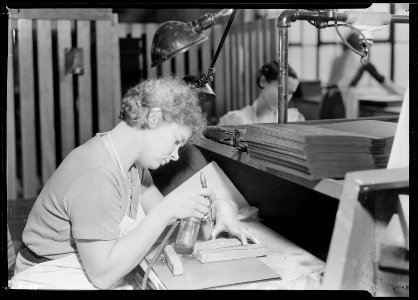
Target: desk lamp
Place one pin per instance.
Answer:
(173, 38)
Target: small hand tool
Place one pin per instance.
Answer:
(203, 182)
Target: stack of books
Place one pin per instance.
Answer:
(321, 151)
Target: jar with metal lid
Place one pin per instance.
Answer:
(187, 235)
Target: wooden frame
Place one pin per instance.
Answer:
(357, 233)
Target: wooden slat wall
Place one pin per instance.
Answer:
(116, 76)
(42, 92)
(46, 98)
(12, 181)
(76, 104)
(84, 83)
(219, 81)
(27, 108)
(66, 96)
(105, 95)
(149, 34)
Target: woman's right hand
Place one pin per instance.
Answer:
(191, 203)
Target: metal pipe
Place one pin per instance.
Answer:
(283, 74)
(399, 19)
(283, 23)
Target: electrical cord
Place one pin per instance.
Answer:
(365, 56)
(158, 253)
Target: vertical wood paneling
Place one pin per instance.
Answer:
(219, 81)
(124, 29)
(104, 76)
(254, 60)
(137, 31)
(234, 68)
(227, 63)
(66, 90)
(85, 110)
(46, 98)
(117, 89)
(150, 30)
(166, 68)
(266, 37)
(206, 60)
(240, 69)
(11, 129)
(273, 39)
(194, 60)
(27, 107)
(179, 63)
(260, 43)
(247, 64)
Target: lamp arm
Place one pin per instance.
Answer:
(205, 78)
(218, 50)
(208, 20)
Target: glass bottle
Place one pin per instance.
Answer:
(186, 237)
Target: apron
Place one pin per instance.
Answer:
(68, 272)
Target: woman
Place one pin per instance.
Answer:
(265, 108)
(100, 212)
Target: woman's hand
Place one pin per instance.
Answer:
(191, 203)
(227, 220)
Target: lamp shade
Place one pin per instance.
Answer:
(172, 38)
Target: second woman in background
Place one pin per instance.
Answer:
(265, 107)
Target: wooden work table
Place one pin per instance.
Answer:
(298, 216)
(298, 269)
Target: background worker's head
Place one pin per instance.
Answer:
(267, 80)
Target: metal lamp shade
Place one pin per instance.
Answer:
(172, 38)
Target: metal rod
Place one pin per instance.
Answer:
(399, 19)
(283, 23)
(218, 50)
(283, 75)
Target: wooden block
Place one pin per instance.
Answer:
(230, 253)
(173, 260)
(393, 254)
(403, 212)
(215, 244)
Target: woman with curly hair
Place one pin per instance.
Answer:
(264, 109)
(100, 213)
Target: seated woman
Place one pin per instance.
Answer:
(264, 109)
(100, 213)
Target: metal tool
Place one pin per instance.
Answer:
(207, 218)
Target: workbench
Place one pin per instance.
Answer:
(298, 269)
(300, 215)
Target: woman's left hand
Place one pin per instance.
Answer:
(227, 220)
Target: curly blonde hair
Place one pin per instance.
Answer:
(178, 103)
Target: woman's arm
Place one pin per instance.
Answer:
(108, 261)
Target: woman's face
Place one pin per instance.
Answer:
(162, 144)
(271, 91)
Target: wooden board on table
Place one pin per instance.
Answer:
(231, 253)
(204, 276)
(215, 244)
